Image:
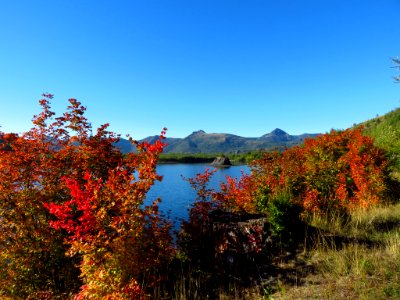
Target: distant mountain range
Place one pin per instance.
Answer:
(202, 142)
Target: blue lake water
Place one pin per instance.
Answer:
(176, 194)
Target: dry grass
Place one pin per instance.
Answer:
(364, 265)
(195, 286)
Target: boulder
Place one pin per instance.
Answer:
(221, 162)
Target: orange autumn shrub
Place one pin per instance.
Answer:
(339, 170)
(237, 194)
(71, 211)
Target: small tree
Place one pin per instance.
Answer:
(397, 66)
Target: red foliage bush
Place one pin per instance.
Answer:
(339, 170)
(64, 189)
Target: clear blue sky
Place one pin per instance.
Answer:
(242, 67)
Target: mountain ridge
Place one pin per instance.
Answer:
(202, 142)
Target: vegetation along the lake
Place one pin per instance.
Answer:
(235, 158)
(320, 220)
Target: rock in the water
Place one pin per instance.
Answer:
(221, 162)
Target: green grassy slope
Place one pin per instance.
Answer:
(386, 132)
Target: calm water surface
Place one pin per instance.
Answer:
(176, 194)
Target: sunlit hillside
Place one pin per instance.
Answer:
(386, 132)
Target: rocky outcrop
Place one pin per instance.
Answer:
(221, 162)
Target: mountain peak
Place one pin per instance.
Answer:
(277, 135)
(278, 132)
(198, 132)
